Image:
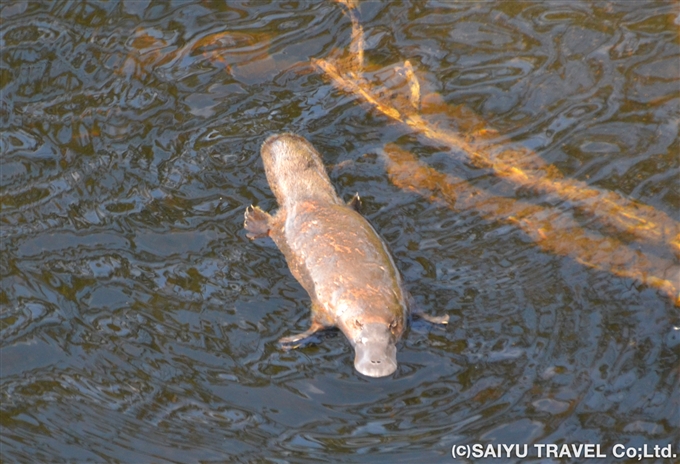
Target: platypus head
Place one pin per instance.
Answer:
(374, 339)
(373, 323)
(375, 351)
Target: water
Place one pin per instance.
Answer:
(138, 322)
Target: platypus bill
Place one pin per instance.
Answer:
(335, 254)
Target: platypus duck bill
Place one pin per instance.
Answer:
(375, 351)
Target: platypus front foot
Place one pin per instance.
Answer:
(442, 320)
(295, 341)
(256, 222)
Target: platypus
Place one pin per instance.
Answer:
(335, 254)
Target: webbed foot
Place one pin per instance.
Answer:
(295, 341)
(442, 320)
(256, 222)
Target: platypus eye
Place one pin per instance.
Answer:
(358, 324)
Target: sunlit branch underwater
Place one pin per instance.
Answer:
(614, 218)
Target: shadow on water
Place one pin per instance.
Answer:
(138, 324)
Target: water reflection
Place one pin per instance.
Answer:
(138, 323)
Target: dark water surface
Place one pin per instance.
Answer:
(138, 322)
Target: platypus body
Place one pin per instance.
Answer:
(334, 253)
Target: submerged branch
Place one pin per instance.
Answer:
(553, 230)
(610, 213)
(626, 216)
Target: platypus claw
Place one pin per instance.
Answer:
(355, 203)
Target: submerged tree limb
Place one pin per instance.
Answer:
(623, 215)
(553, 230)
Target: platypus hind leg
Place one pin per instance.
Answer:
(355, 203)
(256, 222)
